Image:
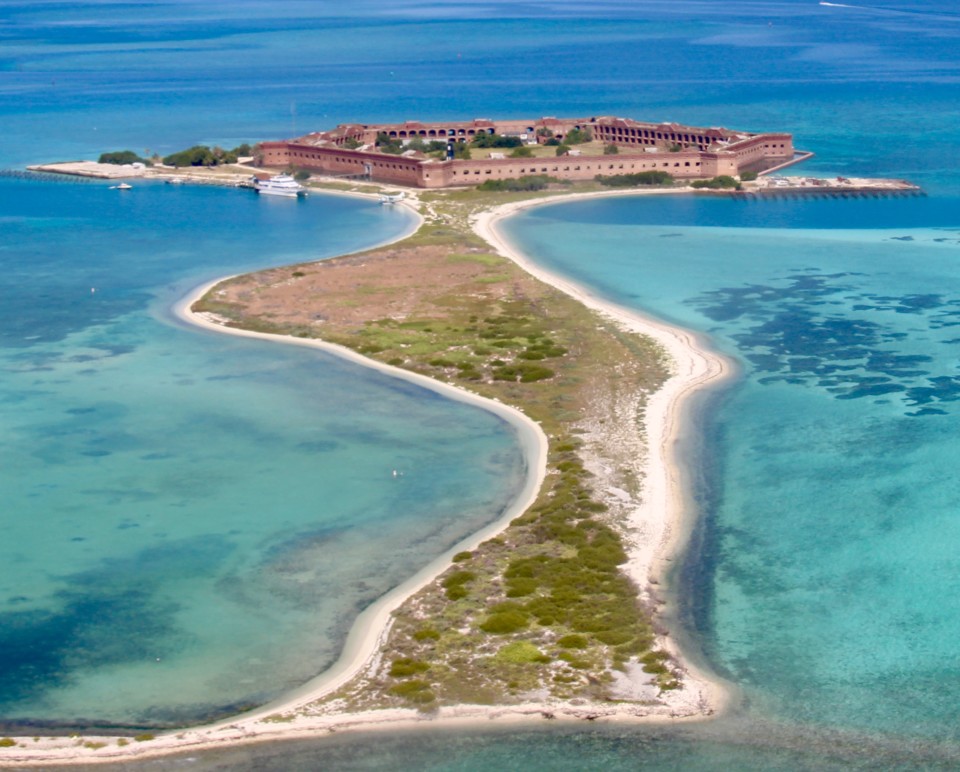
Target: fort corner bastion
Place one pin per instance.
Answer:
(685, 152)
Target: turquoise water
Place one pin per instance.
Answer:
(190, 519)
(826, 585)
(832, 514)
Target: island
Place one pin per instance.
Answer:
(562, 609)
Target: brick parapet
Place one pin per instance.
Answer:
(643, 147)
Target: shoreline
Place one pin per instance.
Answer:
(662, 513)
(666, 510)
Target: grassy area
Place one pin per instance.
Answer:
(538, 151)
(543, 608)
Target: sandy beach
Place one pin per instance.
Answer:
(660, 525)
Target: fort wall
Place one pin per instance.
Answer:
(685, 152)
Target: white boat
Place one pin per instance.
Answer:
(392, 198)
(121, 186)
(279, 185)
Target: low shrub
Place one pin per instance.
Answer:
(505, 622)
(522, 372)
(414, 691)
(723, 182)
(518, 184)
(521, 587)
(405, 666)
(635, 180)
(521, 653)
(454, 584)
(426, 634)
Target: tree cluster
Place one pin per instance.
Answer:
(515, 185)
(496, 140)
(578, 136)
(202, 155)
(635, 180)
(388, 144)
(723, 182)
(122, 157)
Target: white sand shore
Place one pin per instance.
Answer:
(662, 517)
(665, 514)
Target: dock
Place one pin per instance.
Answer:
(771, 187)
(233, 176)
(92, 169)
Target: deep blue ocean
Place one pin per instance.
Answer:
(180, 507)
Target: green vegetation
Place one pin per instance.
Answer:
(144, 737)
(280, 718)
(352, 144)
(675, 148)
(455, 583)
(543, 608)
(563, 150)
(202, 155)
(417, 692)
(748, 176)
(121, 157)
(496, 140)
(636, 180)
(504, 622)
(7, 742)
(521, 652)
(611, 149)
(301, 175)
(514, 184)
(387, 144)
(723, 182)
(522, 152)
(422, 146)
(407, 667)
(578, 136)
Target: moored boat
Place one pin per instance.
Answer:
(278, 185)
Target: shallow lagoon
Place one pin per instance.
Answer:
(828, 571)
(191, 518)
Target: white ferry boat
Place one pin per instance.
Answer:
(279, 185)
